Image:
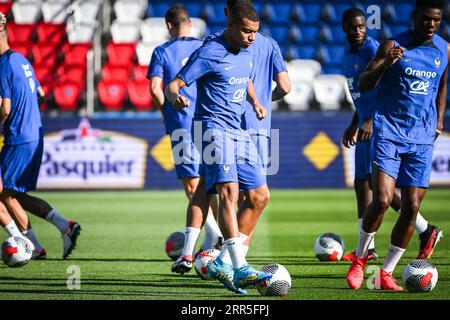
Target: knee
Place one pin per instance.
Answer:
(382, 203)
(228, 194)
(411, 206)
(260, 199)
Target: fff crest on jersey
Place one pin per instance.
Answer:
(437, 62)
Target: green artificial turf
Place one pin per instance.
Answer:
(120, 252)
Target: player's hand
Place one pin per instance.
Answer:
(366, 130)
(181, 102)
(350, 136)
(41, 99)
(261, 112)
(394, 54)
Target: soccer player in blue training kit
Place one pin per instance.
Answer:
(411, 70)
(271, 67)
(21, 156)
(166, 62)
(361, 51)
(222, 69)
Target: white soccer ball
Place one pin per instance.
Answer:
(16, 251)
(202, 261)
(174, 245)
(329, 247)
(278, 285)
(420, 276)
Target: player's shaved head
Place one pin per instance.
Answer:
(351, 13)
(177, 16)
(232, 3)
(242, 11)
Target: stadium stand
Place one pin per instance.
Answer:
(57, 35)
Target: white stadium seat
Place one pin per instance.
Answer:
(198, 28)
(81, 33)
(85, 11)
(303, 69)
(330, 91)
(154, 30)
(301, 95)
(130, 10)
(123, 32)
(26, 12)
(144, 52)
(54, 11)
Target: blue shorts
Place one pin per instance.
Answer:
(363, 159)
(20, 165)
(185, 156)
(230, 157)
(408, 164)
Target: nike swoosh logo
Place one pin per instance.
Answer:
(228, 68)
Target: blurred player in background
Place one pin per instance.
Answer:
(222, 68)
(411, 70)
(270, 67)
(21, 156)
(167, 60)
(362, 50)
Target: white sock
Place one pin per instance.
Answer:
(224, 255)
(58, 221)
(212, 233)
(190, 240)
(30, 234)
(393, 256)
(12, 229)
(372, 243)
(243, 238)
(364, 242)
(234, 247)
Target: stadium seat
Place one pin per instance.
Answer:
(139, 72)
(301, 95)
(215, 14)
(54, 33)
(116, 73)
(195, 8)
(121, 53)
(81, 33)
(5, 7)
(154, 30)
(335, 10)
(112, 94)
(85, 12)
(400, 11)
(198, 28)
(309, 33)
(332, 69)
(310, 12)
(139, 95)
(21, 32)
(21, 47)
(331, 53)
(144, 52)
(45, 75)
(76, 53)
(333, 33)
(125, 32)
(67, 95)
(303, 69)
(72, 73)
(45, 54)
(130, 10)
(280, 32)
(26, 12)
(157, 8)
(330, 91)
(307, 51)
(278, 12)
(54, 11)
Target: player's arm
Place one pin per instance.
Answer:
(157, 92)
(283, 86)
(5, 109)
(260, 111)
(172, 92)
(387, 55)
(350, 134)
(441, 99)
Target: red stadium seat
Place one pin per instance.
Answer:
(115, 72)
(21, 47)
(67, 95)
(45, 75)
(112, 94)
(5, 7)
(121, 53)
(54, 33)
(76, 53)
(45, 54)
(139, 94)
(20, 32)
(140, 72)
(73, 74)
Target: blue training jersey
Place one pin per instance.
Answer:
(167, 60)
(18, 83)
(269, 61)
(406, 102)
(222, 78)
(354, 64)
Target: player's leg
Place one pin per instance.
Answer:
(429, 235)
(8, 223)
